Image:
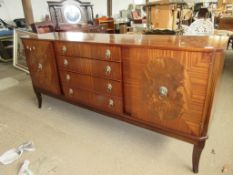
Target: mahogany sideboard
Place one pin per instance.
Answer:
(162, 83)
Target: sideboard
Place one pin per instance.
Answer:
(163, 83)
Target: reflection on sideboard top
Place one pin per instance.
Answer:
(194, 43)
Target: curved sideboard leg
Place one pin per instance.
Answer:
(197, 150)
(39, 98)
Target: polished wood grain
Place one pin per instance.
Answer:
(42, 66)
(78, 95)
(226, 23)
(108, 103)
(163, 83)
(90, 83)
(212, 93)
(185, 74)
(102, 52)
(166, 100)
(97, 100)
(188, 43)
(97, 68)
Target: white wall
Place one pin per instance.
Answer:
(40, 9)
(117, 6)
(11, 9)
(100, 7)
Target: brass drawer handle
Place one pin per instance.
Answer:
(110, 103)
(67, 77)
(108, 54)
(71, 92)
(108, 69)
(163, 91)
(66, 62)
(109, 87)
(64, 49)
(40, 67)
(30, 48)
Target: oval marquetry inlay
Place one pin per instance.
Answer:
(163, 88)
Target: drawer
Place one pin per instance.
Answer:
(107, 103)
(96, 51)
(113, 88)
(90, 83)
(97, 68)
(98, 101)
(77, 95)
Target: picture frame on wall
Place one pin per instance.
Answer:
(19, 57)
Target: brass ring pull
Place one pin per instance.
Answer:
(163, 91)
(40, 67)
(66, 62)
(64, 49)
(71, 92)
(67, 77)
(108, 69)
(110, 103)
(109, 86)
(108, 54)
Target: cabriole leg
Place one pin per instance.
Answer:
(197, 149)
(39, 98)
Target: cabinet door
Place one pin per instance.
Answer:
(167, 89)
(42, 66)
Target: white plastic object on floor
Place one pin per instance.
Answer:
(14, 154)
(24, 170)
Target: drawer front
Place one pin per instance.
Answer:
(107, 103)
(96, 51)
(113, 88)
(94, 84)
(97, 68)
(77, 95)
(98, 101)
(75, 64)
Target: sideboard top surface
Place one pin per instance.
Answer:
(193, 43)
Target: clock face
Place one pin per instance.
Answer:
(72, 14)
